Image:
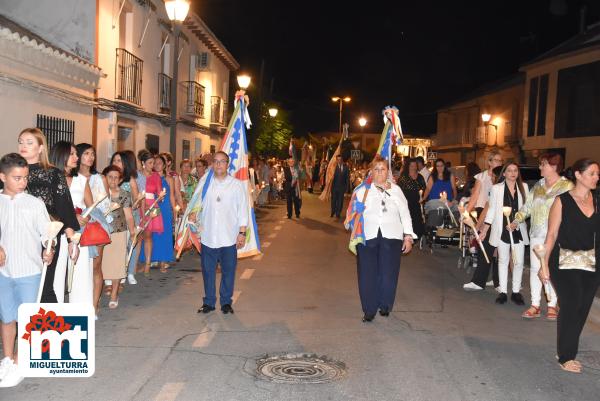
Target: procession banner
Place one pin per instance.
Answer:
(235, 145)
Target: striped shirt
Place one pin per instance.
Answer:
(24, 225)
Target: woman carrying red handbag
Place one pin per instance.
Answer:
(64, 157)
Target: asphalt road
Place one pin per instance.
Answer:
(440, 343)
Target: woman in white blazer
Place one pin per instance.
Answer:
(511, 192)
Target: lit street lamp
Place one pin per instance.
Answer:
(243, 81)
(273, 112)
(486, 117)
(341, 100)
(362, 122)
(177, 10)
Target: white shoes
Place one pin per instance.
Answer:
(131, 279)
(490, 283)
(472, 287)
(9, 373)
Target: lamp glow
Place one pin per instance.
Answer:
(362, 121)
(273, 112)
(244, 81)
(485, 117)
(335, 99)
(347, 99)
(177, 10)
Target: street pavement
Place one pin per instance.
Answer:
(301, 296)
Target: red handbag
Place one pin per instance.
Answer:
(93, 234)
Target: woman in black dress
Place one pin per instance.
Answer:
(49, 184)
(411, 182)
(571, 244)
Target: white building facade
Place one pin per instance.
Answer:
(109, 75)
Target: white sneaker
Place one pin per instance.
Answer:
(12, 377)
(4, 365)
(498, 290)
(131, 279)
(107, 282)
(490, 283)
(472, 287)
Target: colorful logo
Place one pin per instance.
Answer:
(56, 340)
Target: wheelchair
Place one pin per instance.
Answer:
(440, 228)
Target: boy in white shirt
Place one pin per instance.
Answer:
(24, 224)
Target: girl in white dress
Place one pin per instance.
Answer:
(86, 166)
(64, 157)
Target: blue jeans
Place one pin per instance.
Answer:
(14, 292)
(227, 257)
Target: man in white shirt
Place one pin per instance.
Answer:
(223, 218)
(423, 170)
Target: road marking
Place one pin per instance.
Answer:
(204, 339)
(266, 244)
(258, 257)
(277, 228)
(247, 274)
(169, 391)
(236, 295)
(273, 235)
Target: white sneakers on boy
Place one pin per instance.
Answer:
(9, 373)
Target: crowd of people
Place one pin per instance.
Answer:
(103, 215)
(562, 209)
(137, 200)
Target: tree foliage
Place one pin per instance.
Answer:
(273, 133)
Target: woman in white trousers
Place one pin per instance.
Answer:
(509, 193)
(537, 208)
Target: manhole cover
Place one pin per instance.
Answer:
(300, 368)
(589, 359)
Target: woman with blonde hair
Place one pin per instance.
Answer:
(49, 184)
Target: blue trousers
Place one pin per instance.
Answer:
(227, 257)
(378, 268)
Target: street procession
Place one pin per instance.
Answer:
(198, 230)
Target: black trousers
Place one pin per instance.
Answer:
(48, 295)
(482, 272)
(337, 202)
(575, 290)
(378, 266)
(292, 198)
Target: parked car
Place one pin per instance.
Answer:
(530, 174)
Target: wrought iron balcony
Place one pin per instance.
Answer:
(216, 110)
(129, 70)
(164, 93)
(195, 99)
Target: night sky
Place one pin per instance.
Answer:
(416, 55)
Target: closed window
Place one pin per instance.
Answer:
(578, 101)
(538, 102)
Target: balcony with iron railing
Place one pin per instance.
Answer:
(164, 93)
(129, 70)
(463, 138)
(195, 99)
(216, 110)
